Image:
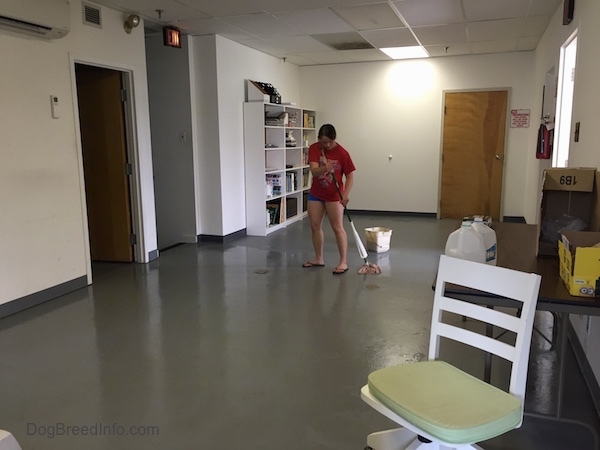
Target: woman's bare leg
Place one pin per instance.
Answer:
(316, 212)
(335, 213)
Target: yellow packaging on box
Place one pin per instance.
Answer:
(580, 262)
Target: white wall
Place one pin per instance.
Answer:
(43, 227)
(395, 108)
(220, 69)
(172, 151)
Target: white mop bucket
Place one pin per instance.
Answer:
(378, 239)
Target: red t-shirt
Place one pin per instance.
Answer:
(323, 187)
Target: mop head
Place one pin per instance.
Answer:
(369, 269)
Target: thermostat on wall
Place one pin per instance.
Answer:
(54, 107)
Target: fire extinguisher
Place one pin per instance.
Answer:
(544, 142)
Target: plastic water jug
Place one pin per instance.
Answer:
(489, 240)
(466, 243)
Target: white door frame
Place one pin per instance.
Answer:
(564, 103)
(135, 190)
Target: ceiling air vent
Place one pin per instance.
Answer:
(92, 16)
(343, 41)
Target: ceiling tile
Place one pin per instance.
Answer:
(544, 7)
(528, 43)
(370, 17)
(199, 27)
(440, 34)
(345, 41)
(297, 44)
(286, 46)
(535, 26)
(495, 9)
(397, 37)
(236, 7)
(430, 12)
(366, 55)
(262, 45)
(300, 60)
(227, 8)
(448, 50)
(331, 57)
(314, 21)
(263, 25)
(501, 46)
(170, 9)
(495, 29)
(296, 30)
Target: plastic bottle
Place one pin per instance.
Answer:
(466, 243)
(489, 240)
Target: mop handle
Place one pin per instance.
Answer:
(337, 187)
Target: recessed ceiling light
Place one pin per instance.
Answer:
(405, 52)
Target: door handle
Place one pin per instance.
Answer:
(498, 157)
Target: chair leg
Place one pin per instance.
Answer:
(396, 439)
(404, 439)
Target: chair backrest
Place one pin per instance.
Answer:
(472, 280)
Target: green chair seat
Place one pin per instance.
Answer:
(446, 402)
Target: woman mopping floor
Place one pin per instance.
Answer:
(330, 163)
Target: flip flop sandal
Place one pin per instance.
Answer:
(308, 264)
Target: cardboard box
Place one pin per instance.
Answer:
(580, 262)
(568, 203)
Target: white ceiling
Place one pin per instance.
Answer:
(307, 32)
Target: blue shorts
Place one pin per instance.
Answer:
(314, 199)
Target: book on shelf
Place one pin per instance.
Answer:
(309, 121)
(291, 207)
(305, 174)
(273, 184)
(275, 213)
(291, 183)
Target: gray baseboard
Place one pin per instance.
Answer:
(391, 213)
(222, 239)
(516, 219)
(584, 367)
(153, 255)
(20, 304)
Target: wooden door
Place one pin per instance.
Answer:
(103, 140)
(473, 153)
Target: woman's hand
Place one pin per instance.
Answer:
(344, 201)
(329, 167)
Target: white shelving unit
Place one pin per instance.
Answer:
(276, 140)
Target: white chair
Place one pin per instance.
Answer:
(440, 406)
(8, 441)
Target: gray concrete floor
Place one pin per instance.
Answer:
(237, 346)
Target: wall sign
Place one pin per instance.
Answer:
(171, 37)
(519, 118)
